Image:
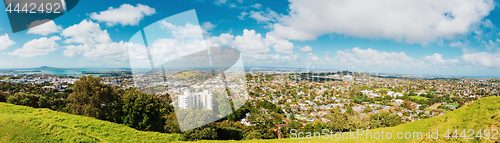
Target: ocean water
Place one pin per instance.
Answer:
(68, 72)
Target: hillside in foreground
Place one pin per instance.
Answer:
(25, 124)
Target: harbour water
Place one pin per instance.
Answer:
(67, 72)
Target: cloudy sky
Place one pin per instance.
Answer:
(427, 37)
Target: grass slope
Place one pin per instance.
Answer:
(187, 74)
(24, 124)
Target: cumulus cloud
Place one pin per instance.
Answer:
(256, 5)
(269, 59)
(220, 2)
(251, 42)
(413, 21)
(185, 39)
(482, 59)
(437, 59)
(280, 45)
(370, 57)
(93, 43)
(262, 17)
(306, 49)
(182, 32)
(86, 32)
(208, 26)
(108, 51)
(126, 14)
(456, 44)
(312, 56)
(45, 29)
(38, 47)
(242, 15)
(5, 42)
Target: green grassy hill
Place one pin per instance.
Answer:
(24, 124)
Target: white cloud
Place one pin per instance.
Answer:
(93, 43)
(243, 14)
(45, 29)
(256, 5)
(280, 45)
(269, 59)
(183, 32)
(306, 49)
(413, 21)
(208, 26)
(126, 14)
(86, 32)
(5, 42)
(262, 17)
(489, 45)
(437, 59)
(312, 56)
(220, 2)
(370, 58)
(456, 44)
(109, 51)
(38, 47)
(251, 42)
(482, 59)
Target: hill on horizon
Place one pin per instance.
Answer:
(26, 124)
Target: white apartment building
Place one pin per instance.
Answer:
(202, 100)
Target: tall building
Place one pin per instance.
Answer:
(202, 100)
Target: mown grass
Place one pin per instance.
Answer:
(24, 124)
(419, 97)
(187, 74)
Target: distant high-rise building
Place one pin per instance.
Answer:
(202, 100)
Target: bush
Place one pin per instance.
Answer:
(200, 134)
(28, 99)
(3, 97)
(252, 135)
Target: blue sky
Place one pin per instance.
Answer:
(454, 37)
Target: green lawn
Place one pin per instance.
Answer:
(24, 124)
(6, 77)
(187, 74)
(384, 89)
(419, 97)
(451, 105)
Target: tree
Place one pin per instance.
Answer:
(252, 135)
(207, 133)
(92, 98)
(142, 111)
(3, 97)
(384, 120)
(28, 99)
